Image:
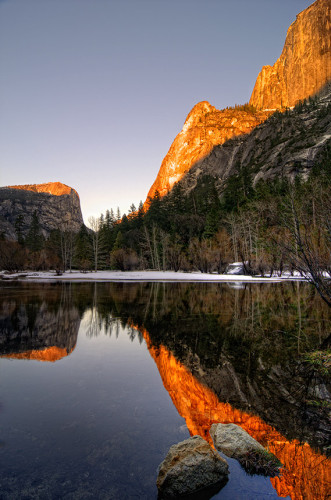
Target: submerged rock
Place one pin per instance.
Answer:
(236, 443)
(233, 441)
(191, 468)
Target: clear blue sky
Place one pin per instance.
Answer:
(93, 92)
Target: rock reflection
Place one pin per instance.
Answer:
(50, 354)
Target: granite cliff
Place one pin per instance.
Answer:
(57, 207)
(205, 127)
(304, 66)
(287, 144)
(303, 69)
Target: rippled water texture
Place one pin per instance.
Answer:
(98, 380)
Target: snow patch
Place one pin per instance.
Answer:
(171, 276)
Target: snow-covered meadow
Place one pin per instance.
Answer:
(170, 276)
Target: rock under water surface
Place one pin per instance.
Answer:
(191, 467)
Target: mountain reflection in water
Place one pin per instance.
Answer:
(306, 474)
(50, 354)
(41, 324)
(224, 355)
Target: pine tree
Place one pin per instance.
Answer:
(83, 249)
(140, 216)
(212, 224)
(18, 228)
(35, 241)
(109, 219)
(118, 242)
(101, 221)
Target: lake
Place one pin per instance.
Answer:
(98, 380)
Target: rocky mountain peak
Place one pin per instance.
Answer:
(197, 113)
(288, 144)
(302, 70)
(304, 66)
(205, 127)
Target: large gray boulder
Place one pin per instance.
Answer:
(191, 468)
(236, 443)
(233, 441)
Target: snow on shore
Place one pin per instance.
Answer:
(143, 276)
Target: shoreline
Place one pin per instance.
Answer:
(144, 276)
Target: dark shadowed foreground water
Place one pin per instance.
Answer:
(99, 380)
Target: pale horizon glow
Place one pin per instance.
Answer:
(92, 93)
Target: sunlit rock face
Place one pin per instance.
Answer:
(57, 207)
(287, 144)
(304, 65)
(55, 188)
(204, 128)
(306, 473)
(301, 71)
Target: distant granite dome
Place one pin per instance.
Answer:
(304, 66)
(57, 206)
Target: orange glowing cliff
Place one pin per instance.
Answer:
(303, 68)
(204, 128)
(55, 188)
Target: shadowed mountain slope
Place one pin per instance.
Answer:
(57, 207)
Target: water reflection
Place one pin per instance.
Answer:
(224, 355)
(306, 473)
(41, 324)
(244, 344)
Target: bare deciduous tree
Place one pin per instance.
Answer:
(308, 247)
(94, 224)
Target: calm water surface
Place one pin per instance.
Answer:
(99, 380)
